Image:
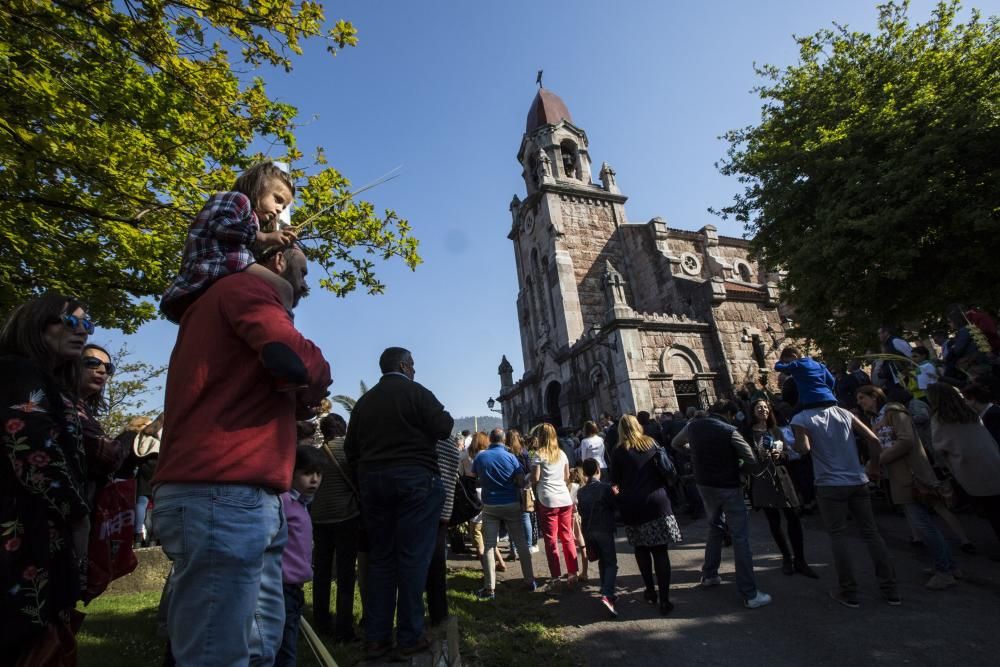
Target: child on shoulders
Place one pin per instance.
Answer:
(813, 379)
(219, 240)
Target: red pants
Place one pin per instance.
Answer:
(556, 524)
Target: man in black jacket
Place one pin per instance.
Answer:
(391, 449)
(719, 455)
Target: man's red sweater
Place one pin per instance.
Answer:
(224, 421)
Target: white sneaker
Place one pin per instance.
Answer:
(533, 549)
(757, 601)
(708, 582)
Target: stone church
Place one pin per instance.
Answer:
(617, 316)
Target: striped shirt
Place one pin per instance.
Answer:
(335, 500)
(448, 455)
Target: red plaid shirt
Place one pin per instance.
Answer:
(217, 245)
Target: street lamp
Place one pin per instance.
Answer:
(490, 402)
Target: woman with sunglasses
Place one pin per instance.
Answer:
(43, 510)
(104, 455)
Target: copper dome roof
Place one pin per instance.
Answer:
(546, 109)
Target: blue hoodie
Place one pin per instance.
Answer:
(813, 380)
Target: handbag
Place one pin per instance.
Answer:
(664, 466)
(772, 487)
(466, 504)
(112, 531)
(527, 500)
(930, 495)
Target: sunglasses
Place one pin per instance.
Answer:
(72, 321)
(94, 362)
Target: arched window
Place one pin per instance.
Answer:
(680, 361)
(744, 270)
(569, 158)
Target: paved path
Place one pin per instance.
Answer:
(960, 626)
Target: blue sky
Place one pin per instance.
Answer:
(443, 89)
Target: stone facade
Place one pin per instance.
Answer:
(620, 317)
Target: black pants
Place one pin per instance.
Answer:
(340, 541)
(794, 532)
(650, 559)
(991, 505)
(437, 587)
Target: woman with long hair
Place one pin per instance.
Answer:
(104, 455)
(550, 474)
(645, 508)
(43, 507)
(516, 447)
(964, 445)
(909, 471)
(775, 492)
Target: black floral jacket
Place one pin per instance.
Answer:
(42, 477)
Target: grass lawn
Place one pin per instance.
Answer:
(120, 630)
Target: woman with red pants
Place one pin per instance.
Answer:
(549, 474)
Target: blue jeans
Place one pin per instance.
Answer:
(401, 507)
(920, 518)
(526, 521)
(295, 601)
(141, 504)
(225, 607)
(603, 547)
(729, 502)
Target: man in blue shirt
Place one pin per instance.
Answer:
(501, 478)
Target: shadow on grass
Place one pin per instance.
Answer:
(121, 631)
(516, 627)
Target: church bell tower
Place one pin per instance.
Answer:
(564, 227)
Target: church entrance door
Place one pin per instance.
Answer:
(552, 394)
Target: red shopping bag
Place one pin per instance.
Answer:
(112, 530)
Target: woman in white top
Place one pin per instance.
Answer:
(550, 473)
(592, 447)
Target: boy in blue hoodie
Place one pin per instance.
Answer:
(813, 379)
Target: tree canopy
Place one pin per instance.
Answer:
(872, 178)
(127, 393)
(119, 117)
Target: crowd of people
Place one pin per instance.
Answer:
(255, 489)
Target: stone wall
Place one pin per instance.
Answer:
(588, 236)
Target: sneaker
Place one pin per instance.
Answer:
(666, 606)
(757, 601)
(708, 582)
(533, 549)
(958, 572)
(376, 650)
(892, 599)
(650, 595)
(848, 600)
(940, 581)
(609, 605)
(804, 569)
(421, 645)
(485, 594)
